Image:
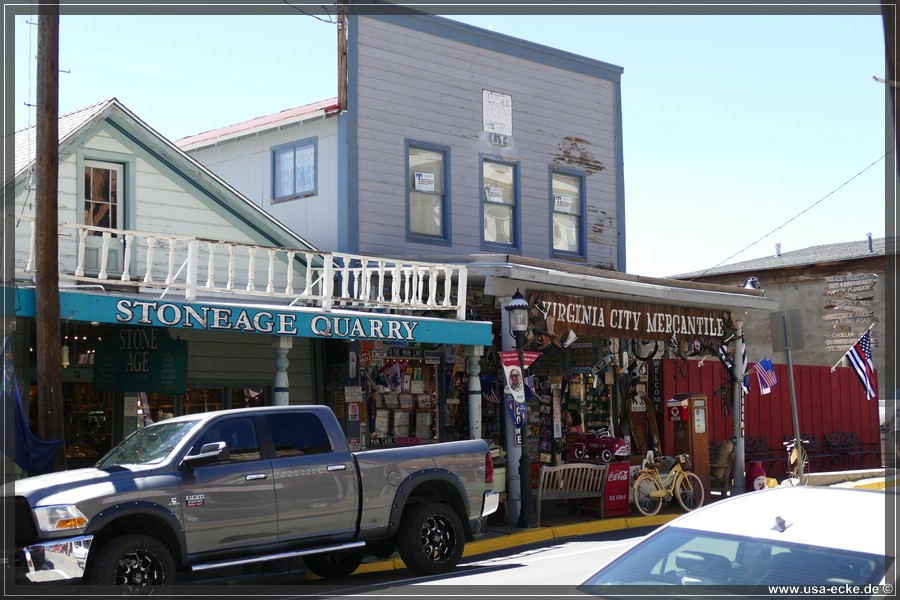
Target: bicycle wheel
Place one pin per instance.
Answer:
(689, 491)
(794, 477)
(645, 503)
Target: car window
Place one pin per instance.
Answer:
(239, 435)
(296, 434)
(688, 557)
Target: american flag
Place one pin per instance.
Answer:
(860, 355)
(765, 372)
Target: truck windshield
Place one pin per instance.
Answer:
(148, 445)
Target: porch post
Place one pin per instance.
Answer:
(473, 366)
(737, 413)
(282, 345)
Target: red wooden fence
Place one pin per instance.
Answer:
(826, 401)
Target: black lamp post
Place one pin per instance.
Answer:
(518, 325)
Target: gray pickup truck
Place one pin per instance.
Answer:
(243, 486)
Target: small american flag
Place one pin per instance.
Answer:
(860, 355)
(765, 372)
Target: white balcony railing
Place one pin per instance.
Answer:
(155, 262)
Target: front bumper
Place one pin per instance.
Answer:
(54, 560)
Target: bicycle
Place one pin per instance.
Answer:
(650, 489)
(794, 470)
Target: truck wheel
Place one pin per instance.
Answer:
(131, 560)
(431, 539)
(334, 564)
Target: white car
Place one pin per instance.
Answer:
(800, 536)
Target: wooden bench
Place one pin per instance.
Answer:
(570, 481)
(820, 458)
(756, 449)
(845, 444)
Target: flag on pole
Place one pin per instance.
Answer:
(765, 372)
(860, 355)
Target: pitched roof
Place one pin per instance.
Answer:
(824, 253)
(25, 140)
(263, 123)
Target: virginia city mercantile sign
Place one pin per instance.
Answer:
(556, 315)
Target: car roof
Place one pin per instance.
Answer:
(847, 518)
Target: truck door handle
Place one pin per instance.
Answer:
(336, 468)
(255, 476)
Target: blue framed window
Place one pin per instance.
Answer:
(427, 190)
(567, 202)
(295, 170)
(500, 203)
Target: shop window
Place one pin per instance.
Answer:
(428, 211)
(294, 170)
(402, 405)
(248, 397)
(500, 199)
(200, 400)
(568, 213)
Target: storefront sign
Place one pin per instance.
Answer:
(300, 322)
(555, 315)
(141, 359)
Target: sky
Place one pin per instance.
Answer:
(739, 131)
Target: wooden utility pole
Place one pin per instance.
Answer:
(49, 401)
(342, 54)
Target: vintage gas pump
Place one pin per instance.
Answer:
(685, 429)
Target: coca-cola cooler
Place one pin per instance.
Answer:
(615, 489)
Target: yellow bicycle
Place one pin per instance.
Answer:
(650, 489)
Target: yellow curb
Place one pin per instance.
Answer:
(528, 536)
(877, 485)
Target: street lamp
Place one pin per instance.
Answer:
(518, 324)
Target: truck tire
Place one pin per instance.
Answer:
(334, 564)
(431, 539)
(131, 560)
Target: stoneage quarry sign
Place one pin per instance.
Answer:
(557, 314)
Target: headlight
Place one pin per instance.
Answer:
(59, 517)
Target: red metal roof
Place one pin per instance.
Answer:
(286, 116)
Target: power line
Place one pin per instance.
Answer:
(329, 20)
(805, 210)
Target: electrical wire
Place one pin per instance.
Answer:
(330, 20)
(799, 214)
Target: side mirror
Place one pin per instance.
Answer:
(209, 453)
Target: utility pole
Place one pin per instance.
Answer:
(49, 401)
(342, 55)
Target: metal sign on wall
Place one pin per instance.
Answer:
(141, 359)
(563, 315)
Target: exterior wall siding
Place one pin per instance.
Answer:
(246, 164)
(417, 85)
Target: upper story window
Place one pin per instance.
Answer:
(428, 214)
(568, 213)
(294, 170)
(102, 194)
(500, 185)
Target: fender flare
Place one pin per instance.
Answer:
(414, 481)
(141, 508)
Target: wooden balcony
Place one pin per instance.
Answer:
(160, 263)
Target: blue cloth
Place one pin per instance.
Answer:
(33, 455)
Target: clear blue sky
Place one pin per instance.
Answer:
(732, 124)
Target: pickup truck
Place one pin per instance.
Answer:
(242, 486)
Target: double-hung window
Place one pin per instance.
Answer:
(428, 213)
(500, 200)
(102, 194)
(294, 170)
(567, 196)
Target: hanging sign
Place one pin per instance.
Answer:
(140, 359)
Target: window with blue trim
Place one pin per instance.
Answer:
(568, 214)
(427, 192)
(294, 170)
(500, 200)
